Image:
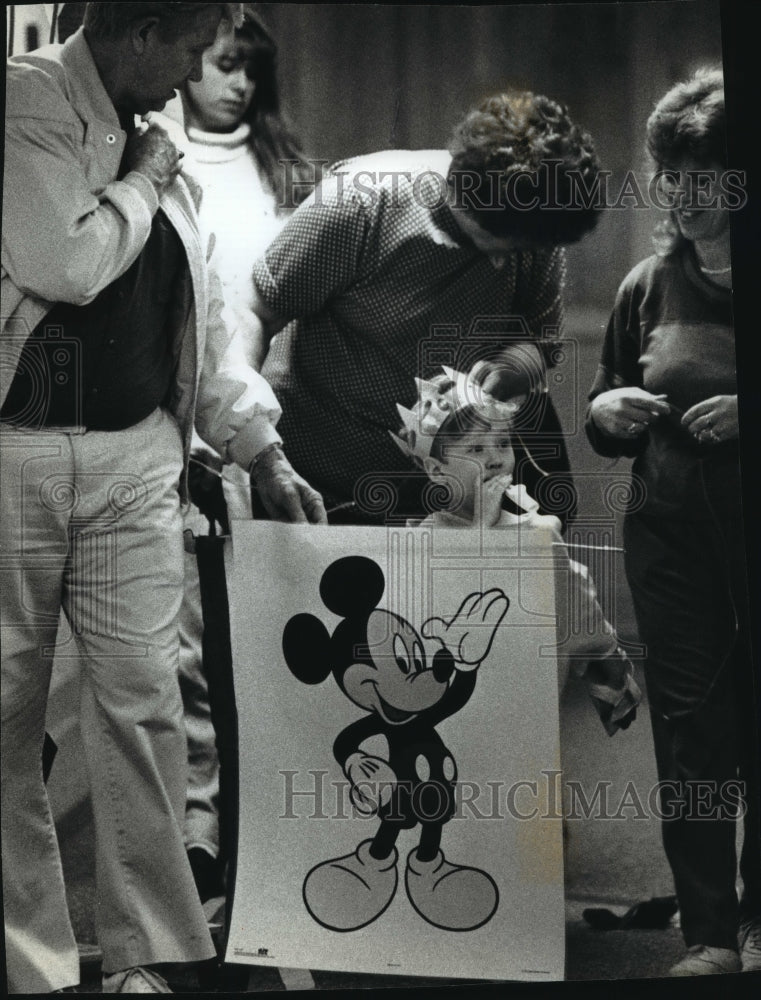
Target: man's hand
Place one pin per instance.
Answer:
(151, 152)
(519, 370)
(285, 495)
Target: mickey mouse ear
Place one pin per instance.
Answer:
(306, 648)
(352, 586)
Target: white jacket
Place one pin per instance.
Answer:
(70, 229)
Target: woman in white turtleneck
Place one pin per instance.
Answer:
(238, 206)
(234, 143)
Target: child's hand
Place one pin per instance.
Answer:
(613, 690)
(492, 492)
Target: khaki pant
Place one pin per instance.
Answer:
(91, 523)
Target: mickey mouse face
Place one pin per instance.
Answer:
(393, 677)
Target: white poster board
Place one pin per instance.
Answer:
(489, 902)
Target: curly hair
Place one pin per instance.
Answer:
(687, 123)
(108, 21)
(528, 147)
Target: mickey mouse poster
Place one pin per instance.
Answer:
(378, 660)
(391, 701)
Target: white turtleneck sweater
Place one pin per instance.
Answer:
(237, 207)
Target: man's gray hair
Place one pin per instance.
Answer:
(112, 20)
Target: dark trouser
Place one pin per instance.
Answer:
(688, 584)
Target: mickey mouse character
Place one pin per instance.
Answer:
(378, 661)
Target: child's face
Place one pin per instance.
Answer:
(476, 458)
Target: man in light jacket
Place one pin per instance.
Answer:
(113, 347)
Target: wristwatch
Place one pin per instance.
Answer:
(265, 451)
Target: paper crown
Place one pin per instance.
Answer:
(436, 403)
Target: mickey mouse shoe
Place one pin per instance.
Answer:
(453, 897)
(350, 892)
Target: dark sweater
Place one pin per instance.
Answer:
(671, 332)
(106, 365)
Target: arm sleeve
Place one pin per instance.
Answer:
(619, 366)
(542, 299)
(317, 254)
(236, 409)
(61, 242)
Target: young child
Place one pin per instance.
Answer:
(461, 436)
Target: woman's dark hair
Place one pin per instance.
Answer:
(689, 122)
(530, 169)
(272, 141)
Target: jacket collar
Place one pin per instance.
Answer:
(87, 92)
